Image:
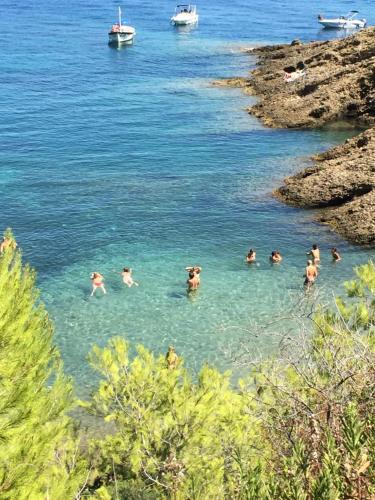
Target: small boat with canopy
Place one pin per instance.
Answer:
(185, 14)
(343, 22)
(121, 33)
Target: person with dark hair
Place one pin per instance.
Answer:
(315, 254)
(335, 254)
(311, 273)
(193, 282)
(127, 277)
(196, 270)
(251, 256)
(97, 282)
(276, 257)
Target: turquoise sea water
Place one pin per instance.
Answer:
(113, 158)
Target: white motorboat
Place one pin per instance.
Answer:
(121, 33)
(185, 14)
(343, 22)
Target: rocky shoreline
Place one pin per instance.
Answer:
(338, 85)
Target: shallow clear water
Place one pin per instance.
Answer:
(130, 157)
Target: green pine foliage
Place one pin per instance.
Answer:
(171, 437)
(38, 455)
(298, 427)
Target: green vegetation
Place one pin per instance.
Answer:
(38, 452)
(300, 426)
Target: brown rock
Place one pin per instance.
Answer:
(343, 177)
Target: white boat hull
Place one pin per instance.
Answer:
(180, 20)
(118, 38)
(342, 23)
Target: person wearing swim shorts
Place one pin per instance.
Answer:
(311, 273)
(97, 282)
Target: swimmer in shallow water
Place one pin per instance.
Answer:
(311, 273)
(276, 257)
(197, 272)
(251, 256)
(315, 254)
(193, 282)
(97, 282)
(127, 277)
(335, 254)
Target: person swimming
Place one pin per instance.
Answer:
(97, 282)
(193, 282)
(197, 272)
(127, 277)
(276, 257)
(335, 254)
(251, 256)
(315, 254)
(311, 273)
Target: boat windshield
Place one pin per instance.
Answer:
(351, 14)
(185, 8)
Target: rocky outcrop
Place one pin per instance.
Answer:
(338, 84)
(343, 178)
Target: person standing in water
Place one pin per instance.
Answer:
(311, 273)
(251, 256)
(171, 358)
(193, 281)
(315, 254)
(127, 277)
(97, 282)
(197, 272)
(335, 254)
(276, 257)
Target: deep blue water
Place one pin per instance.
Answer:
(130, 157)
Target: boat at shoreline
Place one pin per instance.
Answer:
(185, 14)
(343, 22)
(121, 33)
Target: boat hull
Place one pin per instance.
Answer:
(119, 38)
(184, 21)
(342, 24)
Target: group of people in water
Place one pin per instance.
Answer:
(97, 280)
(311, 271)
(193, 282)
(194, 272)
